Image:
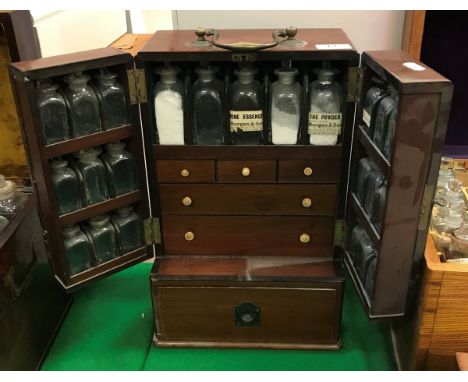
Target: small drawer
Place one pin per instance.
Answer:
(185, 171)
(309, 171)
(248, 171)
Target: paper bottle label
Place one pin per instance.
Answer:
(324, 123)
(246, 120)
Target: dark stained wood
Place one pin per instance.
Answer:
(19, 30)
(258, 171)
(364, 220)
(253, 199)
(248, 235)
(200, 171)
(323, 170)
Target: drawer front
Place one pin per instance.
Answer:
(185, 171)
(282, 315)
(253, 171)
(248, 199)
(309, 171)
(248, 235)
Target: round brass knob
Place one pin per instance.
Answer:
(189, 236)
(308, 171)
(245, 171)
(306, 202)
(187, 201)
(185, 173)
(304, 238)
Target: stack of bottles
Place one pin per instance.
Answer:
(449, 225)
(102, 238)
(91, 176)
(82, 106)
(239, 113)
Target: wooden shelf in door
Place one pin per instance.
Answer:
(76, 144)
(364, 221)
(99, 208)
(373, 151)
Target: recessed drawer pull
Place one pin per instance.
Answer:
(245, 171)
(306, 202)
(185, 173)
(189, 236)
(187, 201)
(304, 238)
(308, 171)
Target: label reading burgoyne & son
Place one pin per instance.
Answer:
(324, 123)
(246, 120)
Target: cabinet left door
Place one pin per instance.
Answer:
(84, 144)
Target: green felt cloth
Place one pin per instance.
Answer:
(109, 327)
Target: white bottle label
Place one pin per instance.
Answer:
(246, 120)
(325, 123)
(366, 117)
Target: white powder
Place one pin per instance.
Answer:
(169, 118)
(284, 127)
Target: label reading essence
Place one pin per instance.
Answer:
(324, 123)
(246, 120)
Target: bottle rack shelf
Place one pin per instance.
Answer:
(373, 152)
(364, 221)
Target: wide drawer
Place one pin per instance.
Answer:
(246, 171)
(185, 171)
(248, 235)
(317, 170)
(248, 199)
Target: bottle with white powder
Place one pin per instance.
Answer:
(285, 107)
(325, 116)
(169, 107)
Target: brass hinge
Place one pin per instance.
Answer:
(137, 86)
(426, 208)
(340, 233)
(152, 231)
(354, 84)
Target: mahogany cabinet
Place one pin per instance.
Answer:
(250, 240)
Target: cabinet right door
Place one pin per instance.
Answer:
(398, 139)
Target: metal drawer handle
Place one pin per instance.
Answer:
(245, 171)
(306, 202)
(308, 171)
(185, 173)
(247, 314)
(187, 201)
(304, 238)
(189, 236)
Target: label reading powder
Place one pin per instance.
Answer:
(246, 120)
(366, 117)
(324, 123)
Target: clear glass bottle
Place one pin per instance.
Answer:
(77, 249)
(366, 252)
(365, 167)
(380, 126)
(103, 238)
(92, 174)
(66, 187)
(285, 106)
(358, 235)
(390, 135)
(446, 173)
(454, 191)
(373, 97)
(121, 169)
(129, 229)
(378, 207)
(207, 103)
(52, 112)
(459, 244)
(325, 114)
(246, 108)
(84, 105)
(169, 107)
(10, 199)
(375, 181)
(112, 99)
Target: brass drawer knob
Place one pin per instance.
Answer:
(185, 172)
(187, 201)
(245, 171)
(304, 238)
(308, 171)
(306, 202)
(189, 236)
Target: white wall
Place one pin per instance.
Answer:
(151, 21)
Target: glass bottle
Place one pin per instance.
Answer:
(370, 277)
(285, 107)
(121, 169)
(103, 238)
(112, 99)
(77, 249)
(459, 244)
(84, 105)
(373, 97)
(10, 199)
(375, 181)
(358, 235)
(389, 136)
(454, 191)
(129, 229)
(385, 108)
(3, 223)
(325, 114)
(365, 168)
(446, 173)
(378, 207)
(92, 174)
(366, 253)
(52, 112)
(66, 187)
(169, 107)
(207, 102)
(246, 108)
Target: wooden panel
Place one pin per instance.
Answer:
(196, 171)
(323, 171)
(413, 29)
(246, 171)
(248, 235)
(253, 199)
(441, 361)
